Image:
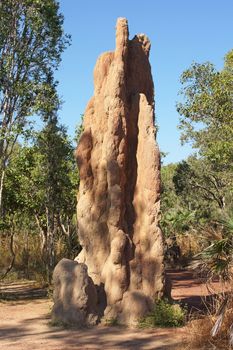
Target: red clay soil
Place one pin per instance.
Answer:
(193, 291)
(24, 325)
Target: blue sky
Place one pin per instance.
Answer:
(181, 31)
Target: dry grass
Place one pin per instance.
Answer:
(189, 244)
(193, 242)
(29, 262)
(198, 331)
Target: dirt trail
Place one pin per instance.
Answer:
(192, 291)
(24, 325)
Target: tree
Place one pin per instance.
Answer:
(79, 130)
(207, 121)
(207, 111)
(199, 184)
(31, 43)
(55, 163)
(40, 189)
(15, 198)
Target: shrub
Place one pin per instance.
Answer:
(217, 257)
(111, 322)
(164, 314)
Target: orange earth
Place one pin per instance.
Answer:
(24, 324)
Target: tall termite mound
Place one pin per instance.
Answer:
(119, 195)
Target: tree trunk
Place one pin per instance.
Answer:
(67, 233)
(1, 189)
(12, 253)
(43, 237)
(50, 243)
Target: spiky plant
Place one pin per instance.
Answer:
(217, 258)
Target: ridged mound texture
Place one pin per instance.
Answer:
(119, 195)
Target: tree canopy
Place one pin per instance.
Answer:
(31, 43)
(207, 111)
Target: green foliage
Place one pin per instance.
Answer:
(179, 206)
(79, 130)
(38, 180)
(217, 258)
(169, 197)
(197, 192)
(55, 166)
(31, 44)
(40, 198)
(198, 178)
(171, 205)
(43, 173)
(164, 314)
(111, 322)
(207, 111)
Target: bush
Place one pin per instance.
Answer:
(164, 314)
(217, 257)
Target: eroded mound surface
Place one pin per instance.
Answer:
(119, 195)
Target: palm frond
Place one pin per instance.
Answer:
(220, 313)
(231, 335)
(217, 326)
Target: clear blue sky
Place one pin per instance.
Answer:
(181, 31)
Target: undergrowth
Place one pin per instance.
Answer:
(214, 330)
(164, 314)
(111, 322)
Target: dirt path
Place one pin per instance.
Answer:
(192, 291)
(24, 325)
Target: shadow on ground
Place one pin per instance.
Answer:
(20, 332)
(24, 324)
(193, 291)
(95, 338)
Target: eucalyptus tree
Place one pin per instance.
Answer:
(40, 190)
(207, 122)
(207, 111)
(31, 43)
(57, 185)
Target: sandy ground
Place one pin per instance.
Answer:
(24, 325)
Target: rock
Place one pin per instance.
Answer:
(75, 296)
(119, 165)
